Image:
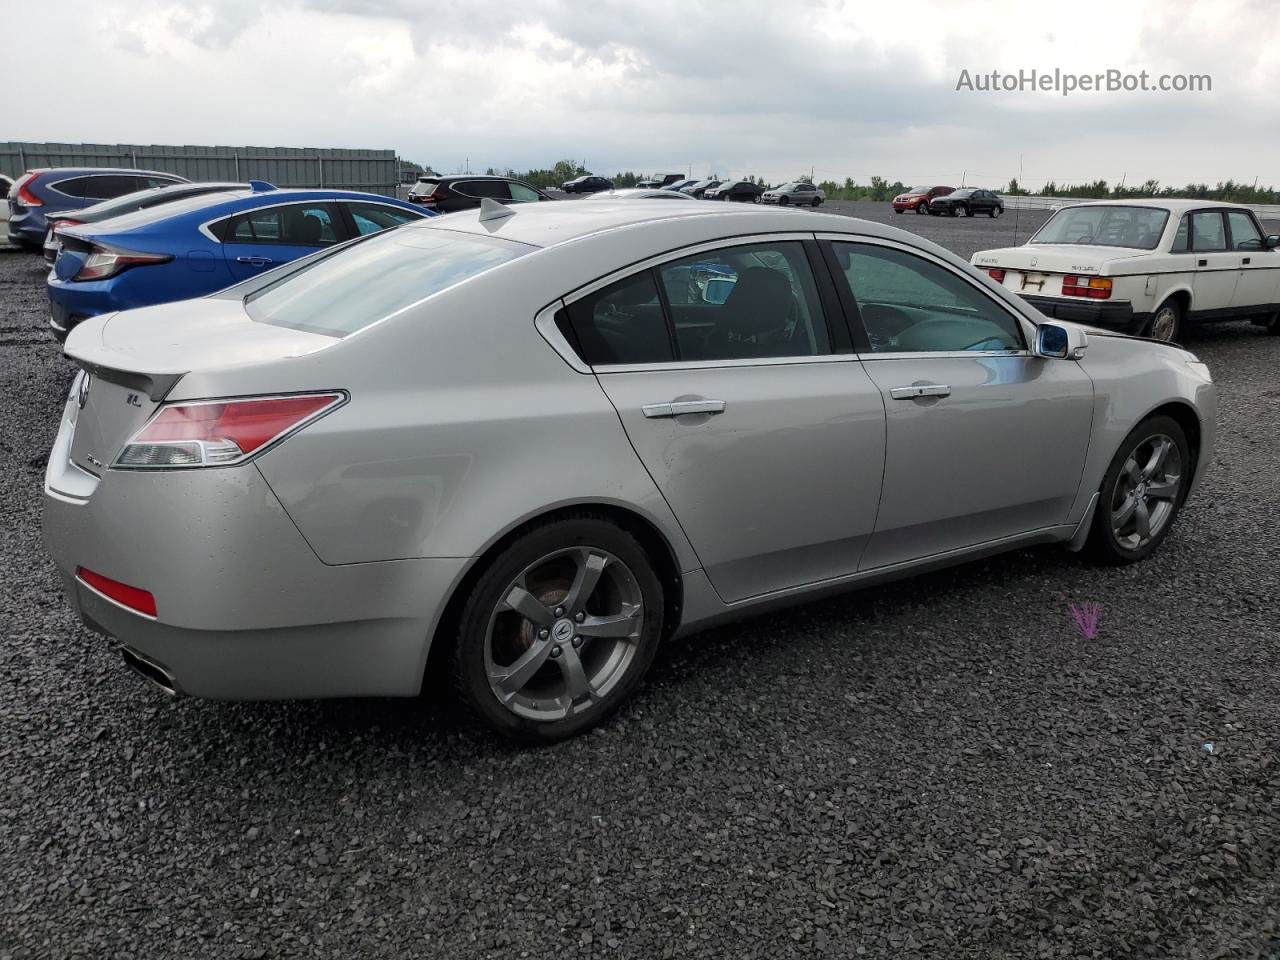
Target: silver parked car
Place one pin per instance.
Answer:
(799, 194)
(527, 444)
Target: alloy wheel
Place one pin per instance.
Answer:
(1146, 491)
(564, 633)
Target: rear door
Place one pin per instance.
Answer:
(257, 240)
(984, 441)
(1217, 268)
(766, 440)
(1258, 279)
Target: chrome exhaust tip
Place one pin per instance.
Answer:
(150, 671)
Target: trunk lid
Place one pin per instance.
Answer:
(1038, 269)
(131, 360)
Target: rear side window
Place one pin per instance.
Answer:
(355, 286)
(912, 305)
(1182, 239)
(521, 193)
(372, 217)
(622, 323)
(1207, 234)
(105, 186)
(493, 189)
(298, 225)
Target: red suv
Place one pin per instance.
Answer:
(917, 198)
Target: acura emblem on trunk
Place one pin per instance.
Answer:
(82, 395)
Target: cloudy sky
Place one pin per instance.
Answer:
(840, 87)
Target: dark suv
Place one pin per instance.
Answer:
(464, 191)
(587, 184)
(54, 189)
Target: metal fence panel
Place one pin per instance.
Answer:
(373, 171)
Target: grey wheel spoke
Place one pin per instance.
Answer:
(1132, 471)
(584, 583)
(616, 625)
(1159, 454)
(510, 680)
(1122, 516)
(576, 685)
(1142, 519)
(524, 603)
(1165, 489)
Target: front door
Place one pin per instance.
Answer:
(766, 443)
(1258, 280)
(984, 441)
(258, 240)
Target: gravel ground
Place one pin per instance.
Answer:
(940, 768)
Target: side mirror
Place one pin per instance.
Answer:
(1055, 342)
(1273, 241)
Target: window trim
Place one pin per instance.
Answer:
(862, 340)
(1231, 234)
(553, 336)
(205, 227)
(1191, 230)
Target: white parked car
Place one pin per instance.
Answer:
(1146, 266)
(640, 193)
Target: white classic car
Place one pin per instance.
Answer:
(1146, 267)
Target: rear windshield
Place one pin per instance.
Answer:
(424, 188)
(357, 285)
(1105, 226)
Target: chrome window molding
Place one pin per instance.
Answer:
(545, 323)
(606, 369)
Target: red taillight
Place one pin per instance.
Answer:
(103, 263)
(135, 598)
(1096, 288)
(25, 196)
(996, 274)
(215, 433)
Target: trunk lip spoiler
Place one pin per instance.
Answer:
(155, 385)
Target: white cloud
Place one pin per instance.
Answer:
(849, 88)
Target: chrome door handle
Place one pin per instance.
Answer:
(256, 261)
(922, 390)
(677, 408)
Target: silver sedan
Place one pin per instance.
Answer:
(527, 445)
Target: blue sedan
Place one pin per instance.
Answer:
(193, 247)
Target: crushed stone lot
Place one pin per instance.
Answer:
(939, 768)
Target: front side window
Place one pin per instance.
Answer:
(299, 225)
(372, 217)
(1244, 232)
(1207, 233)
(912, 305)
(346, 290)
(1139, 228)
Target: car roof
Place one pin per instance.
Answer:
(1173, 206)
(226, 203)
(551, 224)
(80, 171)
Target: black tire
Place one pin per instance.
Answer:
(955, 211)
(783, 201)
(995, 211)
(1103, 545)
(815, 202)
(1166, 322)
(923, 208)
(1273, 325)
(470, 672)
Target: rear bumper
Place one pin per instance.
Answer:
(244, 608)
(1110, 314)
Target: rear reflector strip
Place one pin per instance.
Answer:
(131, 598)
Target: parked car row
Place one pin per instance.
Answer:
(160, 238)
(335, 476)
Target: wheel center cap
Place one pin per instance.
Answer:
(562, 631)
(1142, 490)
